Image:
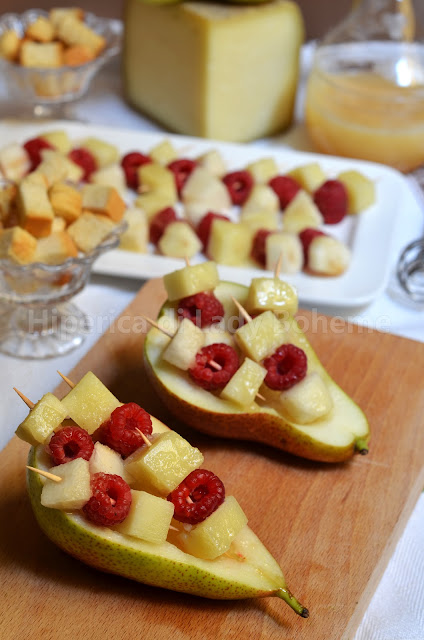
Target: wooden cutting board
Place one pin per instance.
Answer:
(332, 528)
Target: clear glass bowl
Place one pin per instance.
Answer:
(46, 92)
(36, 319)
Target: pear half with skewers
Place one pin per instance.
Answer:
(286, 421)
(245, 570)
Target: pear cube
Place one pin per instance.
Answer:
(271, 294)
(260, 220)
(214, 162)
(360, 190)
(148, 519)
(106, 460)
(301, 213)
(160, 467)
(244, 384)
(212, 537)
(46, 415)
(188, 340)
(328, 256)
(308, 400)
(90, 403)
(309, 176)
(179, 241)
(261, 198)
(263, 170)
(284, 248)
(229, 242)
(202, 186)
(261, 336)
(73, 491)
(191, 280)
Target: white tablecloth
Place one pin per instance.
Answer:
(397, 608)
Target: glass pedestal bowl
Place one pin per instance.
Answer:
(37, 319)
(49, 93)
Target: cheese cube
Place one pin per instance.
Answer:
(306, 401)
(160, 467)
(136, 236)
(181, 351)
(45, 416)
(90, 403)
(244, 384)
(271, 294)
(214, 70)
(148, 519)
(18, 245)
(360, 190)
(191, 280)
(212, 537)
(260, 337)
(229, 242)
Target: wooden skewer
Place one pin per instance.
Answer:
(27, 401)
(46, 474)
(155, 324)
(278, 266)
(145, 438)
(242, 310)
(67, 380)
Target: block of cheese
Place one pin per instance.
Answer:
(214, 70)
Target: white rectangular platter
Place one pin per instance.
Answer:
(369, 235)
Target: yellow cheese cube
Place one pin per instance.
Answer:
(360, 190)
(271, 294)
(244, 384)
(73, 491)
(90, 403)
(229, 242)
(160, 467)
(148, 519)
(261, 336)
(191, 280)
(214, 70)
(42, 420)
(212, 537)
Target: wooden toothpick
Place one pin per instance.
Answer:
(27, 401)
(155, 324)
(67, 380)
(145, 438)
(187, 261)
(46, 474)
(278, 266)
(242, 310)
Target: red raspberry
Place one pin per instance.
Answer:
(205, 490)
(121, 431)
(181, 169)
(110, 500)
(209, 377)
(69, 443)
(130, 163)
(239, 185)
(159, 222)
(205, 225)
(331, 200)
(258, 251)
(34, 148)
(285, 367)
(84, 159)
(306, 236)
(203, 309)
(285, 187)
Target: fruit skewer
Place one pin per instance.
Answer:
(181, 559)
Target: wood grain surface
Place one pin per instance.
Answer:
(332, 528)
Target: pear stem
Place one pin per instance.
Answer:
(288, 597)
(361, 445)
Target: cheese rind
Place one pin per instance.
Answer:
(214, 70)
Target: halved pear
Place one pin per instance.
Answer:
(248, 570)
(332, 438)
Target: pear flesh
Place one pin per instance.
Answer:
(247, 571)
(333, 438)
